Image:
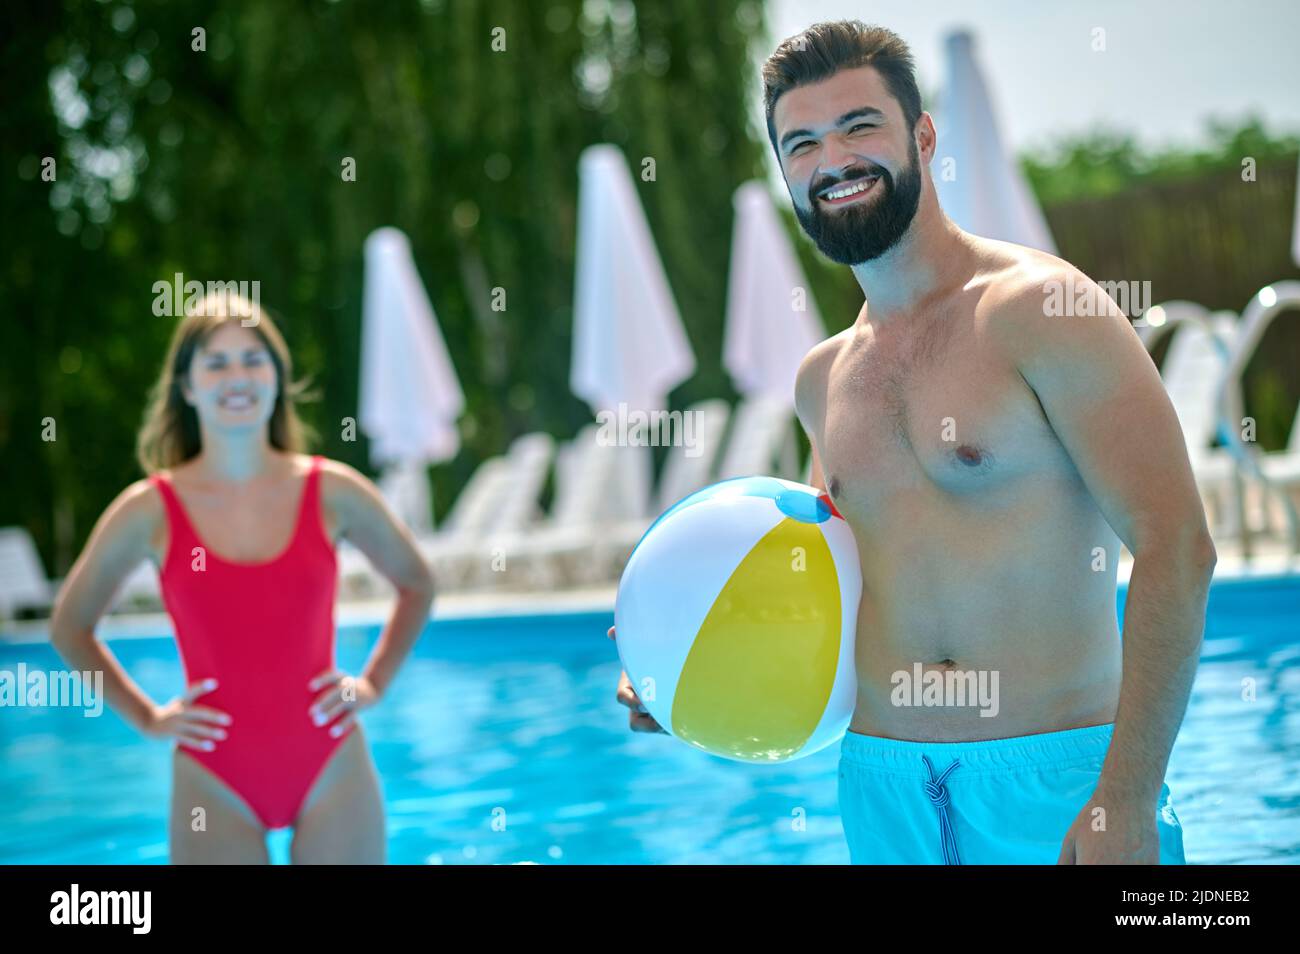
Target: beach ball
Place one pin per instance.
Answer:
(735, 620)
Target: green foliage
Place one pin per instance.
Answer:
(1198, 224)
(226, 164)
(1272, 405)
(465, 121)
(1105, 162)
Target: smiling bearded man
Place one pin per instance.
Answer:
(989, 457)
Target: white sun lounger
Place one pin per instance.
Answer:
(140, 590)
(1280, 467)
(1193, 375)
(586, 471)
(472, 509)
(762, 441)
(23, 584)
(685, 471)
(515, 506)
(1280, 471)
(502, 500)
(467, 521)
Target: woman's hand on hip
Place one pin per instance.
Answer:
(193, 726)
(344, 696)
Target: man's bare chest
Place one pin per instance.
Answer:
(937, 409)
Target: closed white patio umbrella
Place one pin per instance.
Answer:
(772, 320)
(410, 396)
(629, 346)
(987, 194)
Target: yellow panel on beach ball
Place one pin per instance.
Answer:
(775, 631)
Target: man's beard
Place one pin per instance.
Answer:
(865, 230)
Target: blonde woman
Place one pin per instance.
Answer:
(242, 526)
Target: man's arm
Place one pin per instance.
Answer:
(810, 397)
(1105, 401)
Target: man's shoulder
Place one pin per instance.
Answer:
(1018, 277)
(1025, 285)
(819, 357)
(810, 379)
(1036, 304)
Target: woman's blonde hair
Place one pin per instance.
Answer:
(170, 433)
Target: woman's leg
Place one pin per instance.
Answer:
(228, 833)
(342, 821)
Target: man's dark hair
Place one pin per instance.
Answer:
(826, 48)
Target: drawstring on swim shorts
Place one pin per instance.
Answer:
(938, 794)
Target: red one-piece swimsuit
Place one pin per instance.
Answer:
(263, 631)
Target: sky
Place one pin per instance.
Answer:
(1166, 67)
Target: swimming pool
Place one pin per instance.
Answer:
(501, 742)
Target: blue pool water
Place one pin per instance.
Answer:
(516, 720)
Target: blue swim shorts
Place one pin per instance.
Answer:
(999, 802)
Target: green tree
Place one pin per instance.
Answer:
(220, 155)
